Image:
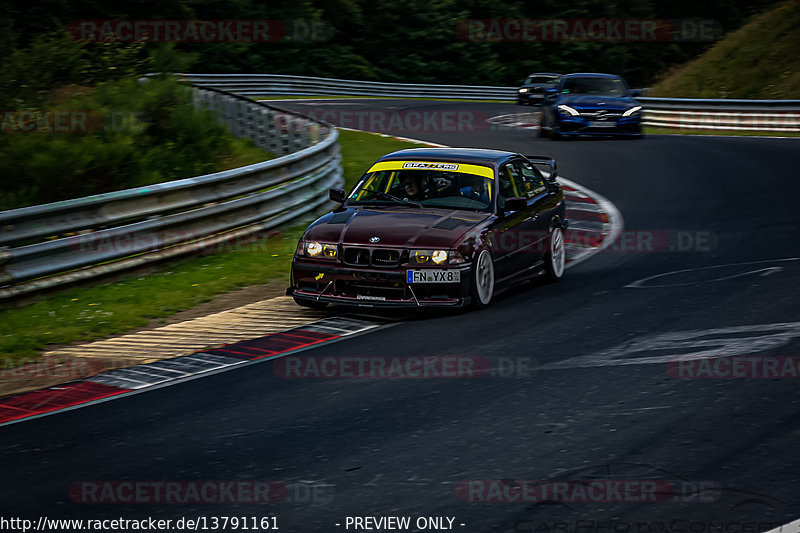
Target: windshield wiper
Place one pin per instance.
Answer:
(394, 198)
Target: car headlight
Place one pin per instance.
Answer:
(320, 250)
(427, 257)
(439, 256)
(567, 110)
(523, 90)
(632, 111)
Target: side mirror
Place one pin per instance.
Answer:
(516, 203)
(552, 167)
(336, 195)
(550, 91)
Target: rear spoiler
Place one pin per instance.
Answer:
(544, 161)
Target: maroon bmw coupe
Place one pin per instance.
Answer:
(434, 227)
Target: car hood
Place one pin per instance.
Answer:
(535, 86)
(395, 226)
(597, 101)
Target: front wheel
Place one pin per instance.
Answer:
(482, 288)
(555, 258)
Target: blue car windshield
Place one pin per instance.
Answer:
(541, 79)
(426, 188)
(599, 86)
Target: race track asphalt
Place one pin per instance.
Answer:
(584, 390)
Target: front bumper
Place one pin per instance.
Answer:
(317, 281)
(536, 98)
(623, 126)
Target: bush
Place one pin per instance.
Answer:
(139, 134)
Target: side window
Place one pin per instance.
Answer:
(533, 182)
(515, 179)
(504, 187)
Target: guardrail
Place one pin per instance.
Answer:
(743, 115)
(272, 84)
(746, 115)
(52, 244)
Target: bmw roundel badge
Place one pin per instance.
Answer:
(373, 240)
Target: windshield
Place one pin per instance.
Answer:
(424, 188)
(602, 86)
(541, 79)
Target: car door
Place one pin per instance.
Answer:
(515, 229)
(541, 205)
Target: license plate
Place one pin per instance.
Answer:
(433, 276)
(366, 297)
(600, 124)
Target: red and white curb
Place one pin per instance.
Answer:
(594, 222)
(126, 381)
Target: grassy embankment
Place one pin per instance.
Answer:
(757, 61)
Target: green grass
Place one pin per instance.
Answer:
(731, 133)
(115, 307)
(242, 153)
(760, 60)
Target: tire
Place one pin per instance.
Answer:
(555, 134)
(555, 258)
(311, 305)
(542, 132)
(482, 286)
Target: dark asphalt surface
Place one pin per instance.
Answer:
(592, 406)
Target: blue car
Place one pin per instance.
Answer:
(591, 104)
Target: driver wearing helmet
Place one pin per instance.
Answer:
(412, 187)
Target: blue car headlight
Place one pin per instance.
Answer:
(567, 110)
(635, 111)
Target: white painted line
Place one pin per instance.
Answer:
(791, 527)
(641, 283)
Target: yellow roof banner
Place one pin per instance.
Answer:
(478, 170)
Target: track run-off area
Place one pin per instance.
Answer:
(566, 407)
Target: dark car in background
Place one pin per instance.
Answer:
(591, 104)
(533, 89)
(434, 227)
